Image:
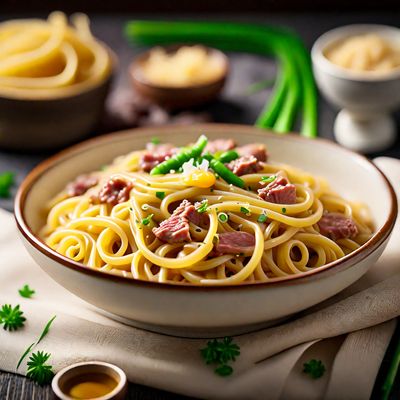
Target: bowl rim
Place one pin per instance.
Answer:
(336, 34)
(76, 90)
(136, 76)
(377, 239)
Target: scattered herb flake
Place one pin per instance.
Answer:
(11, 317)
(160, 195)
(262, 218)
(245, 210)
(268, 179)
(216, 239)
(26, 291)
(203, 207)
(314, 368)
(155, 140)
(147, 220)
(38, 370)
(284, 210)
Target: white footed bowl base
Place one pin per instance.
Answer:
(367, 134)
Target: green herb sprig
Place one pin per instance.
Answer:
(38, 369)
(7, 179)
(314, 368)
(12, 318)
(221, 353)
(26, 292)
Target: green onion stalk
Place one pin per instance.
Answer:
(294, 87)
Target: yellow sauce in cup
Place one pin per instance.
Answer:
(90, 386)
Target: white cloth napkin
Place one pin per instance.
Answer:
(349, 333)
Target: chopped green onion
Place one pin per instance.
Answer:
(244, 210)
(262, 218)
(147, 220)
(176, 161)
(145, 207)
(160, 195)
(284, 210)
(155, 140)
(225, 173)
(228, 156)
(268, 179)
(223, 217)
(203, 207)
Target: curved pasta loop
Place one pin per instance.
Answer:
(119, 239)
(50, 56)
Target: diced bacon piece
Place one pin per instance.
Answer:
(175, 229)
(245, 165)
(156, 154)
(114, 191)
(220, 145)
(337, 226)
(279, 191)
(235, 243)
(259, 151)
(81, 185)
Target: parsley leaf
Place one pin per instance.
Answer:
(26, 291)
(160, 195)
(38, 370)
(314, 368)
(202, 208)
(221, 353)
(11, 318)
(6, 181)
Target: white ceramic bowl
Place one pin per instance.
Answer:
(204, 311)
(366, 98)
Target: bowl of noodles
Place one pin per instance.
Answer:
(205, 229)
(54, 78)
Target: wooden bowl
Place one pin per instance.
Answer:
(37, 120)
(174, 98)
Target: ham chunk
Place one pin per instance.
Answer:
(235, 243)
(175, 229)
(220, 145)
(258, 151)
(279, 191)
(245, 165)
(156, 154)
(114, 191)
(81, 185)
(337, 226)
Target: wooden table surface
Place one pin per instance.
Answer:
(235, 106)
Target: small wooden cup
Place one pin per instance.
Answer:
(174, 98)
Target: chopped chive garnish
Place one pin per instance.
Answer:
(268, 179)
(146, 221)
(155, 140)
(145, 207)
(130, 209)
(244, 210)
(160, 195)
(262, 218)
(284, 210)
(223, 217)
(203, 207)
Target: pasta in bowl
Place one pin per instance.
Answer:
(200, 234)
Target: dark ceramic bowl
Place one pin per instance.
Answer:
(35, 120)
(174, 98)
